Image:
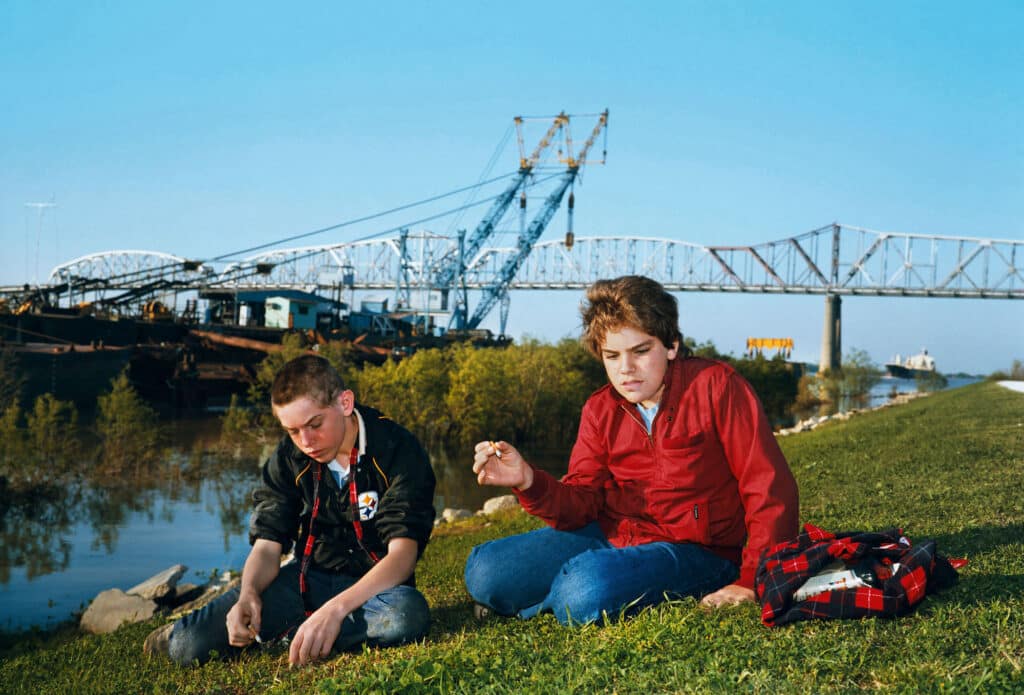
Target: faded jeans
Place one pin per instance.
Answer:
(394, 616)
(580, 577)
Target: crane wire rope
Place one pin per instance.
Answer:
(312, 252)
(242, 272)
(228, 256)
(502, 143)
(357, 220)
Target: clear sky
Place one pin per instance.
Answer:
(202, 128)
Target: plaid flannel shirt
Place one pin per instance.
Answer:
(785, 568)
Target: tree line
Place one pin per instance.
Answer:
(526, 392)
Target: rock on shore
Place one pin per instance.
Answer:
(161, 592)
(494, 504)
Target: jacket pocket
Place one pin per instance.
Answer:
(680, 463)
(702, 521)
(686, 521)
(683, 442)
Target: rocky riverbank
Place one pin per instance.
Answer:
(162, 594)
(813, 422)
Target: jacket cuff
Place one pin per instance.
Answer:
(746, 579)
(537, 492)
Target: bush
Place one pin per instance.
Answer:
(13, 463)
(932, 381)
(11, 379)
(52, 424)
(127, 427)
(775, 381)
(412, 392)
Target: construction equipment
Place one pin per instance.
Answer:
(448, 277)
(759, 345)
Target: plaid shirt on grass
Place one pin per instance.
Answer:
(785, 568)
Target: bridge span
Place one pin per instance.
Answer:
(835, 261)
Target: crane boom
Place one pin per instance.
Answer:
(508, 271)
(448, 273)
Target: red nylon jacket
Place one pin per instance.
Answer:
(710, 473)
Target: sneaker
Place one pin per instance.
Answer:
(481, 612)
(159, 641)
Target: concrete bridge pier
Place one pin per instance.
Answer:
(831, 336)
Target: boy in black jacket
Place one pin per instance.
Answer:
(357, 491)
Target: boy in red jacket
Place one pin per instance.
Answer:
(675, 483)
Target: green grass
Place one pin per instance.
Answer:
(949, 467)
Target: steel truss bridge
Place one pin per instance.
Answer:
(832, 260)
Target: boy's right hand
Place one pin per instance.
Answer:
(243, 621)
(499, 463)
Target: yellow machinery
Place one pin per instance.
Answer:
(156, 310)
(758, 345)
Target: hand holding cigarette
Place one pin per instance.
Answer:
(499, 463)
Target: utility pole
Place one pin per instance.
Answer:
(41, 209)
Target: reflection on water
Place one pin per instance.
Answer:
(61, 544)
(885, 390)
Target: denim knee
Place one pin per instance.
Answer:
(583, 592)
(191, 643)
(485, 576)
(396, 616)
(201, 632)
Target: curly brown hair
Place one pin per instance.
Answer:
(631, 301)
(307, 376)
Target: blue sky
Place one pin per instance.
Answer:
(202, 128)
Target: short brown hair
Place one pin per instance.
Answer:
(631, 301)
(307, 376)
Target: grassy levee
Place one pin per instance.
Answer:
(949, 467)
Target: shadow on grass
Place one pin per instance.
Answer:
(18, 642)
(980, 589)
(448, 620)
(981, 539)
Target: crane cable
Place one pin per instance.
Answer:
(357, 220)
(502, 143)
(313, 252)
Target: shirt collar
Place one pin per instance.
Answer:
(363, 435)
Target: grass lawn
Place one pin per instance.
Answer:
(948, 467)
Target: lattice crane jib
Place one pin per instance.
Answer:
(449, 272)
(507, 273)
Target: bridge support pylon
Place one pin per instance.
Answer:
(831, 335)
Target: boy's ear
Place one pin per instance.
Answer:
(347, 401)
(674, 350)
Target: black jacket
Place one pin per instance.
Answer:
(395, 467)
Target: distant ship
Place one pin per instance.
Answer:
(914, 366)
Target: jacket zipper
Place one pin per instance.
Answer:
(637, 420)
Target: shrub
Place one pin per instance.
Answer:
(51, 424)
(13, 452)
(11, 380)
(127, 427)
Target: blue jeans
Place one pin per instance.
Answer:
(580, 577)
(391, 617)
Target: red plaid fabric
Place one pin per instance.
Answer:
(785, 568)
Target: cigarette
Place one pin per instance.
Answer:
(255, 635)
(497, 451)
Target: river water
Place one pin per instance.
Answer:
(65, 546)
